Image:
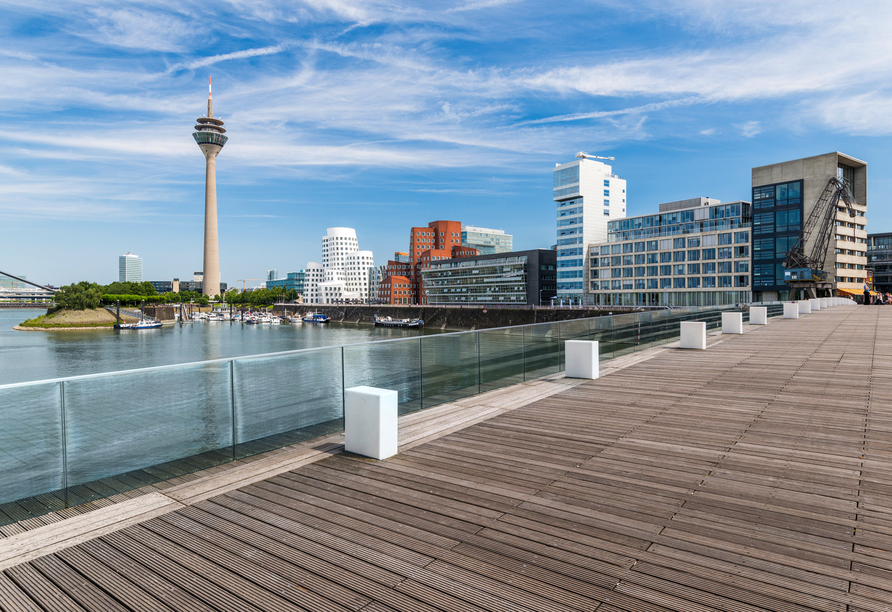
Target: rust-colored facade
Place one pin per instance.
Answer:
(439, 240)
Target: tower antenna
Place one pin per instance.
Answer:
(210, 100)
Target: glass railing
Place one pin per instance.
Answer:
(68, 441)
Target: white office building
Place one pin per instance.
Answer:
(344, 273)
(486, 241)
(587, 195)
(129, 268)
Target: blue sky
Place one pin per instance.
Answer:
(384, 114)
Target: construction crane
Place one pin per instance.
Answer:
(583, 155)
(805, 269)
(243, 281)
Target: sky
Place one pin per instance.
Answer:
(382, 115)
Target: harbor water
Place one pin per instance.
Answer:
(42, 355)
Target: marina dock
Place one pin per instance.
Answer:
(754, 475)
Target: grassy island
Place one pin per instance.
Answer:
(90, 318)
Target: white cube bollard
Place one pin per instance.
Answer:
(732, 322)
(804, 307)
(582, 359)
(825, 303)
(370, 422)
(693, 335)
(758, 315)
(815, 304)
(791, 310)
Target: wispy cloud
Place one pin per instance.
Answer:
(749, 129)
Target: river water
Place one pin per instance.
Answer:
(40, 355)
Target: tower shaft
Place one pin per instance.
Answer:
(211, 267)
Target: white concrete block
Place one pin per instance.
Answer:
(693, 335)
(791, 310)
(582, 359)
(815, 303)
(804, 307)
(732, 322)
(370, 422)
(759, 315)
(825, 303)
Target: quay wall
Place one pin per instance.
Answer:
(464, 318)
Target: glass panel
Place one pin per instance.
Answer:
(286, 399)
(625, 334)
(542, 349)
(601, 329)
(128, 424)
(387, 365)
(30, 449)
(501, 357)
(449, 367)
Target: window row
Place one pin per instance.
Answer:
(666, 244)
(722, 267)
(697, 282)
(737, 252)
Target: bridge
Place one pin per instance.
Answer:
(33, 293)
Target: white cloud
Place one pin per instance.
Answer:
(749, 129)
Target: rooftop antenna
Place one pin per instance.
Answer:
(210, 100)
(583, 155)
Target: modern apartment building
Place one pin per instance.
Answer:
(587, 195)
(694, 252)
(879, 261)
(129, 268)
(784, 196)
(486, 241)
(518, 278)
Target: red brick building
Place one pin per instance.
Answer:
(402, 281)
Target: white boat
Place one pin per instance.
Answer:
(141, 324)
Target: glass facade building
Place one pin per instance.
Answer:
(129, 268)
(586, 195)
(777, 223)
(486, 241)
(697, 256)
(293, 281)
(879, 261)
(518, 278)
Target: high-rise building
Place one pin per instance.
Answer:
(129, 268)
(209, 136)
(486, 241)
(271, 275)
(879, 261)
(784, 196)
(587, 195)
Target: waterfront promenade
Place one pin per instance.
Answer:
(755, 475)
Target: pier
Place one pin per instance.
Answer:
(753, 475)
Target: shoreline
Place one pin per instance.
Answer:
(20, 328)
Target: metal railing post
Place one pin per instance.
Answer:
(232, 406)
(64, 442)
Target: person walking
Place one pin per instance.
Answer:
(866, 295)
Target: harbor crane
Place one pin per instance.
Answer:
(804, 269)
(584, 155)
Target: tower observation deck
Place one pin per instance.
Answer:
(209, 134)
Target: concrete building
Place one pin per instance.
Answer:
(129, 268)
(209, 136)
(784, 196)
(516, 278)
(486, 241)
(587, 195)
(694, 252)
(879, 261)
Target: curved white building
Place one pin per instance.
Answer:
(344, 273)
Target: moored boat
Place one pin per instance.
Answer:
(141, 324)
(316, 317)
(405, 323)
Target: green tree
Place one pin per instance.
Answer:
(79, 296)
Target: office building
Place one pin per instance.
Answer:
(694, 252)
(129, 268)
(293, 281)
(438, 241)
(271, 275)
(784, 195)
(879, 261)
(587, 195)
(486, 241)
(343, 276)
(209, 136)
(516, 278)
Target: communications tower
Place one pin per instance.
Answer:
(209, 136)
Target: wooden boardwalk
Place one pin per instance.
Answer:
(756, 475)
